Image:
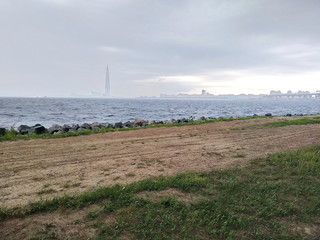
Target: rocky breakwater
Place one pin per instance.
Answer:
(74, 128)
(78, 128)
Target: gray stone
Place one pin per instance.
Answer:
(118, 125)
(128, 124)
(2, 131)
(96, 126)
(108, 125)
(184, 120)
(85, 125)
(75, 127)
(139, 122)
(81, 129)
(54, 128)
(24, 129)
(66, 128)
(39, 129)
(203, 118)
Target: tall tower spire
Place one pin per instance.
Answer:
(107, 84)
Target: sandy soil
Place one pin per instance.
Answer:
(43, 168)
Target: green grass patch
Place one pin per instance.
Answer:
(267, 199)
(301, 121)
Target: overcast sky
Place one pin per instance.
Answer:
(62, 47)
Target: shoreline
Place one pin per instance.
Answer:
(39, 129)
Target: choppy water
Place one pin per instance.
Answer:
(48, 111)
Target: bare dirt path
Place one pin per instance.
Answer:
(43, 168)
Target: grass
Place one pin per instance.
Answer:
(12, 134)
(283, 123)
(239, 155)
(301, 121)
(271, 198)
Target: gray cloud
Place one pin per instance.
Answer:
(60, 47)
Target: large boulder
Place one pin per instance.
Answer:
(24, 129)
(118, 125)
(39, 129)
(128, 124)
(2, 131)
(54, 128)
(85, 126)
(66, 128)
(75, 127)
(96, 126)
(184, 120)
(139, 123)
(107, 125)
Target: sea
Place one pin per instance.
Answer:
(48, 111)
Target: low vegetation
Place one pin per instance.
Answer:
(276, 197)
(301, 121)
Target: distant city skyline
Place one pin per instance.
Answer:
(61, 47)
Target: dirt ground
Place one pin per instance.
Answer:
(42, 168)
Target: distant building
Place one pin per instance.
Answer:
(107, 84)
(203, 92)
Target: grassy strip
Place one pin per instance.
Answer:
(301, 121)
(269, 199)
(13, 135)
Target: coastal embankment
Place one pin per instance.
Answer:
(36, 169)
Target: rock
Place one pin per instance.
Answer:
(128, 124)
(81, 129)
(39, 129)
(139, 122)
(66, 128)
(24, 129)
(2, 131)
(96, 126)
(75, 127)
(184, 120)
(118, 125)
(203, 118)
(268, 115)
(54, 128)
(85, 125)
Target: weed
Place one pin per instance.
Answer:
(46, 191)
(239, 155)
(213, 154)
(130, 174)
(301, 121)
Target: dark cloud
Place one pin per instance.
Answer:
(60, 47)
